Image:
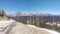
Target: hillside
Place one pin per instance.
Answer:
(13, 27)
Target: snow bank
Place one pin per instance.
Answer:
(51, 31)
(6, 23)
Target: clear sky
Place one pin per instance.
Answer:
(30, 6)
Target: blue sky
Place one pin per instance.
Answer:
(30, 6)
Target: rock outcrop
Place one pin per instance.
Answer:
(3, 15)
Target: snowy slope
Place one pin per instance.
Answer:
(51, 31)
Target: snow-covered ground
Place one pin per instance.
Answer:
(5, 23)
(51, 31)
(20, 27)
